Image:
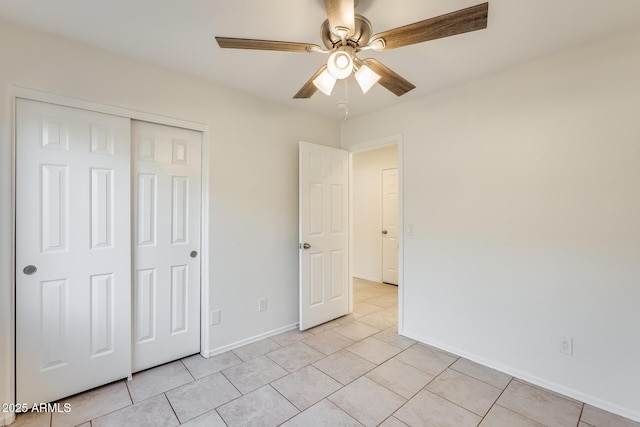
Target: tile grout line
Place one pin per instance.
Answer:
(496, 401)
(172, 408)
(511, 410)
(454, 403)
(285, 398)
(187, 368)
(580, 416)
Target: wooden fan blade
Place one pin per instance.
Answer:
(389, 78)
(462, 21)
(341, 14)
(233, 43)
(309, 88)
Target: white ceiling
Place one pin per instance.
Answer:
(180, 35)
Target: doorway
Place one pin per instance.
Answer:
(376, 208)
(375, 214)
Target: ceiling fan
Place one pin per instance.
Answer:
(345, 33)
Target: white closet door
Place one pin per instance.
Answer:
(166, 243)
(73, 257)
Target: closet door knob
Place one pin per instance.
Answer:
(29, 270)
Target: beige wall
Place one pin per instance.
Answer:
(523, 189)
(253, 147)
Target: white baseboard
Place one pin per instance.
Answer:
(525, 376)
(237, 344)
(371, 279)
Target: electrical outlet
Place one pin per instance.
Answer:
(262, 304)
(565, 345)
(215, 317)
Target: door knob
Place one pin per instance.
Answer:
(193, 254)
(29, 270)
(384, 231)
(306, 246)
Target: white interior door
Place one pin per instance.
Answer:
(73, 258)
(324, 234)
(166, 240)
(390, 226)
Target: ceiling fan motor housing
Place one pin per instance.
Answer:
(361, 35)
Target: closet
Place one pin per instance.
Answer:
(107, 248)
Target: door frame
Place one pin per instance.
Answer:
(16, 92)
(366, 146)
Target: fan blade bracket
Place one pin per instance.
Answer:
(375, 44)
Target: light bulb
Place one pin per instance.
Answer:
(340, 64)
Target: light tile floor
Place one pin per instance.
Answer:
(353, 371)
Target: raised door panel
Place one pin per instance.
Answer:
(102, 314)
(147, 209)
(145, 305)
(54, 312)
(179, 209)
(102, 199)
(179, 299)
(54, 207)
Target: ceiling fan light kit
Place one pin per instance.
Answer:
(366, 78)
(345, 33)
(325, 82)
(340, 63)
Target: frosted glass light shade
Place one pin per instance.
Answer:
(340, 64)
(366, 78)
(325, 82)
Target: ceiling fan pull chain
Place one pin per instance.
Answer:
(346, 100)
(343, 105)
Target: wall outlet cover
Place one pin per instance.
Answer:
(565, 345)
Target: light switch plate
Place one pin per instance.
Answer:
(215, 317)
(408, 230)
